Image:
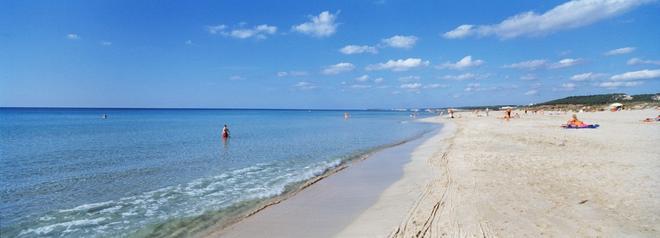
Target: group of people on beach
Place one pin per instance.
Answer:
(509, 114)
(574, 122)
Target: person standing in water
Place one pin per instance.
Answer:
(225, 131)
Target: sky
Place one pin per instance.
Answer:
(323, 54)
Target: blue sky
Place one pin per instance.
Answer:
(323, 54)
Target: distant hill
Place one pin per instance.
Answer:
(604, 99)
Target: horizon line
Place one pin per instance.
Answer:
(213, 108)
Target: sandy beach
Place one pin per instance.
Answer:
(487, 177)
(329, 205)
(287, 119)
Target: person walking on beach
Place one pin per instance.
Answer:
(451, 112)
(507, 114)
(225, 131)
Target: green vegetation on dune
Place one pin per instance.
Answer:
(603, 99)
(652, 99)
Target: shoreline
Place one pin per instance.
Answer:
(200, 225)
(354, 171)
(484, 176)
(383, 217)
(184, 208)
(489, 177)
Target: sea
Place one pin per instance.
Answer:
(72, 172)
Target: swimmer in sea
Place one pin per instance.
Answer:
(225, 132)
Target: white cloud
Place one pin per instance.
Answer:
(568, 62)
(541, 64)
(587, 76)
(531, 92)
(217, 29)
(630, 79)
(322, 25)
(620, 51)
(72, 36)
(399, 41)
(637, 75)
(291, 73)
(409, 78)
(636, 61)
(362, 78)
(619, 84)
(528, 65)
(338, 68)
(465, 76)
(465, 62)
(569, 15)
(358, 49)
(434, 85)
(105, 43)
(302, 85)
(460, 32)
(399, 65)
(365, 79)
(360, 86)
(476, 87)
(528, 77)
(411, 86)
(236, 78)
(472, 87)
(568, 86)
(259, 32)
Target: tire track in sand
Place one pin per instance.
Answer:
(420, 220)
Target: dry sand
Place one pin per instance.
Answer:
(527, 177)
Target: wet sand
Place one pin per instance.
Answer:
(326, 207)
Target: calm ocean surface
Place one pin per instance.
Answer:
(68, 172)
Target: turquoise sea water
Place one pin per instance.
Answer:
(71, 173)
